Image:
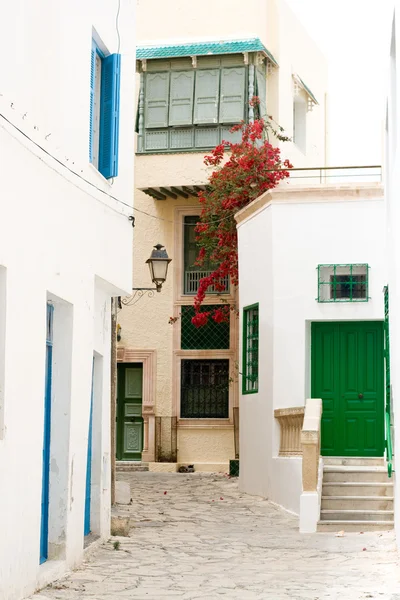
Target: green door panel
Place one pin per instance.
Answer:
(129, 412)
(347, 373)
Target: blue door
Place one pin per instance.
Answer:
(44, 526)
(88, 494)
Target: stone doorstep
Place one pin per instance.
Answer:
(357, 502)
(354, 461)
(357, 488)
(356, 515)
(354, 526)
(131, 466)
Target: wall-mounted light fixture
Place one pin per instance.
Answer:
(158, 266)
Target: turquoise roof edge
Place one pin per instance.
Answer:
(309, 92)
(203, 49)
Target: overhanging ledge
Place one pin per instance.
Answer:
(174, 191)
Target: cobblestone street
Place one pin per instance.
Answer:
(196, 536)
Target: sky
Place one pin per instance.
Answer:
(354, 35)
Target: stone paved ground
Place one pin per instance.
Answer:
(204, 539)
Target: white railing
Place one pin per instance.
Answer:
(192, 282)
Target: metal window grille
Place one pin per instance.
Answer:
(343, 283)
(192, 274)
(213, 336)
(250, 349)
(205, 389)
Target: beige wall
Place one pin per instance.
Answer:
(182, 20)
(145, 325)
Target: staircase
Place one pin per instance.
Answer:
(357, 495)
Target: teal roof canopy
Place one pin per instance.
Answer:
(204, 49)
(307, 90)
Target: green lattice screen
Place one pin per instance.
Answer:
(250, 350)
(213, 336)
(343, 283)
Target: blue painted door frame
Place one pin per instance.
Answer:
(44, 526)
(88, 494)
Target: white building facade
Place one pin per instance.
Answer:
(316, 310)
(67, 150)
(392, 220)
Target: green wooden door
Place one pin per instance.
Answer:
(129, 412)
(347, 373)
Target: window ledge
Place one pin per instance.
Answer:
(174, 151)
(205, 423)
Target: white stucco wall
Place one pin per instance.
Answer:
(294, 233)
(393, 242)
(64, 241)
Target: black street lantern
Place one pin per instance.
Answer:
(158, 265)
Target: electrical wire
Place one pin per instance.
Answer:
(66, 167)
(57, 160)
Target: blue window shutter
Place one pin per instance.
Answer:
(109, 115)
(92, 84)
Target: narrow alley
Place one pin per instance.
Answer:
(196, 536)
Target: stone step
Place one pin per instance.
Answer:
(126, 466)
(349, 488)
(354, 526)
(355, 461)
(341, 473)
(371, 503)
(357, 515)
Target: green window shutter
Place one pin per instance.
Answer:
(191, 248)
(181, 98)
(250, 349)
(206, 96)
(232, 95)
(156, 103)
(261, 81)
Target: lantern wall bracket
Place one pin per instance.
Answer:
(137, 294)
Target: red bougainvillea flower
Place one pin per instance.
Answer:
(242, 171)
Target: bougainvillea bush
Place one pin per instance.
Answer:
(242, 172)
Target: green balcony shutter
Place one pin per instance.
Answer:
(261, 81)
(206, 96)
(232, 95)
(181, 98)
(191, 249)
(157, 96)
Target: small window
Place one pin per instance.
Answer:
(191, 273)
(104, 111)
(343, 283)
(250, 350)
(205, 389)
(300, 122)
